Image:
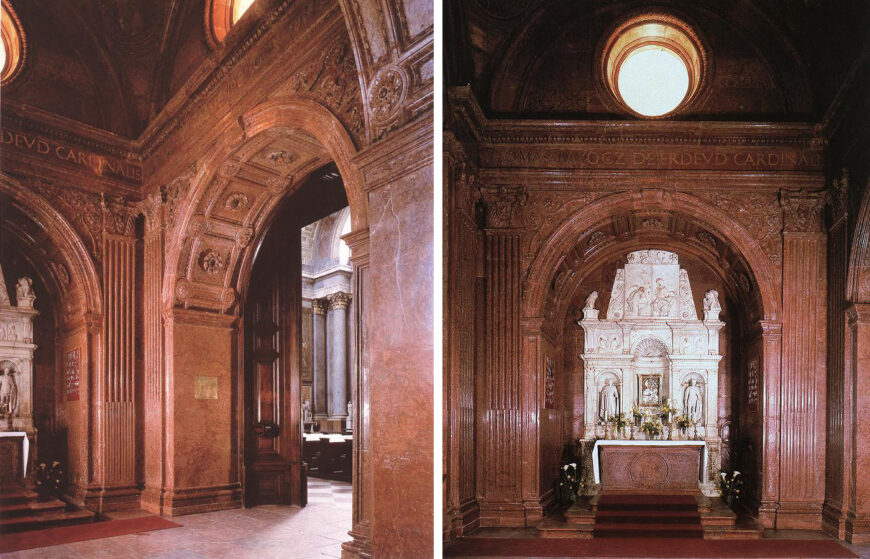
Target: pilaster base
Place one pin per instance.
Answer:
(799, 516)
(857, 528)
(462, 521)
(108, 499)
(767, 514)
(361, 544)
(178, 502)
(834, 521)
(502, 515)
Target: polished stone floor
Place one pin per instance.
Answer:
(264, 532)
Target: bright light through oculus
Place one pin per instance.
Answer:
(240, 7)
(653, 80)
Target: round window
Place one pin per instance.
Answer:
(653, 65)
(222, 15)
(12, 57)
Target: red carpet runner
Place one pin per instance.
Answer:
(643, 547)
(648, 516)
(93, 531)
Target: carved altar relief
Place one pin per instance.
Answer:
(652, 349)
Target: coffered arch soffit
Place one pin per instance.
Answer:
(732, 240)
(234, 194)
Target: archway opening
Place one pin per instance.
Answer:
(711, 263)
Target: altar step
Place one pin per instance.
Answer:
(647, 516)
(21, 510)
(657, 516)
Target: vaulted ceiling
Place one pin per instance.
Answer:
(771, 59)
(111, 64)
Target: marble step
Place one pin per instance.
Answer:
(47, 520)
(31, 508)
(14, 496)
(644, 530)
(649, 516)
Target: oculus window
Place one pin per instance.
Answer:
(222, 15)
(12, 56)
(653, 65)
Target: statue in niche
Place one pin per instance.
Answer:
(590, 301)
(637, 303)
(24, 292)
(608, 401)
(693, 403)
(306, 411)
(711, 301)
(8, 392)
(664, 298)
(602, 344)
(349, 422)
(614, 344)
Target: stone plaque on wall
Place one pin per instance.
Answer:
(549, 384)
(72, 375)
(206, 388)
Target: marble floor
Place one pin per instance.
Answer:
(263, 532)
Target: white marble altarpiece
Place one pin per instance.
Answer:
(16, 357)
(653, 349)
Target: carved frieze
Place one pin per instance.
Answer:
(332, 80)
(802, 212)
(758, 213)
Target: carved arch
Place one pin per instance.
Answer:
(858, 274)
(81, 268)
(280, 116)
(564, 238)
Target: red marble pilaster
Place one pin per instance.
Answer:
(802, 414)
(363, 493)
(772, 346)
(857, 524)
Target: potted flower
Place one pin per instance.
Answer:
(570, 483)
(636, 414)
(730, 485)
(665, 410)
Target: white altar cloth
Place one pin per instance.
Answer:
(25, 445)
(604, 442)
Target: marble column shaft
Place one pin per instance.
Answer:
(319, 358)
(336, 349)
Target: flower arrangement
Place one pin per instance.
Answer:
(651, 428)
(636, 414)
(730, 485)
(665, 410)
(569, 483)
(683, 422)
(49, 480)
(618, 421)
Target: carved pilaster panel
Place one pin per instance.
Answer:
(770, 462)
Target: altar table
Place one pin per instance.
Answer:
(650, 465)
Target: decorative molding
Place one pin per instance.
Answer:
(211, 262)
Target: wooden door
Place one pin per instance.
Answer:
(273, 434)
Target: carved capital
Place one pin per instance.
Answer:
(339, 301)
(504, 206)
(802, 212)
(838, 196)
(319, 306)
(152, 208)
(771, 331)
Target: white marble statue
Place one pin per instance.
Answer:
(349, 422)
(24, 292)
(590, 301)
(711, 301)
(637, 303)
(8, 392)
(608, 405)
(306, 411)
(693, 403)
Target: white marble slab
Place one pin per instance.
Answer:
(25, 445)
(595, 462)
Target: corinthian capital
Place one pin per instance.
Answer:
(339, 300)
(504, 206)
(802, 211)
(319, 306)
